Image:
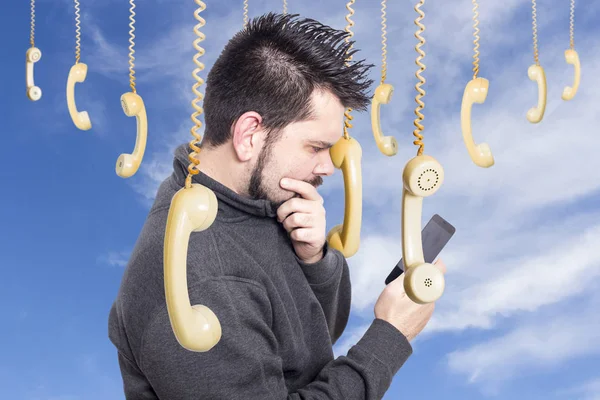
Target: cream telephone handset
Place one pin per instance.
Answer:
(386, 144)
(383, 94)
(33, 55)
(536, 73)
(77, 74)
(193, 209)
(133, 106)
(475, 92)
(571, 57)
(346, 155)
(422, 177)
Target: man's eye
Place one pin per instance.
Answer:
(317, 149)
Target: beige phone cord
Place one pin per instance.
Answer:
(32, 37)
(535, 45)
(131, 44)
(421, 105)
(383, 45)
(193, 167)
(347, 124)
(245, 13)
(285, 6)
(77, 33)
(476, 41)
(571, 21)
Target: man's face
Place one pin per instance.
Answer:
(302, 151)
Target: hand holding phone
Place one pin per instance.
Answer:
(435, 235)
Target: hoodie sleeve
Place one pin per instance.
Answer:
(245, 362)
(329, 279)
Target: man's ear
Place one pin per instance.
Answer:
(247, 135)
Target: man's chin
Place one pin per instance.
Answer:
(283, 198)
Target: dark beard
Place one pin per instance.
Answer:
(256, 189)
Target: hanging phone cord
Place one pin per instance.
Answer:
(32, 37)
(421, 92)
(285, 6)
(383, 45)
(77, 33)
(571, 19)
(245, 13)
(193, 167)
(476, 41)
(131, 44)
(535, 46)
(347, 124)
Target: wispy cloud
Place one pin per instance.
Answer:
(114, 258)
(538, 345)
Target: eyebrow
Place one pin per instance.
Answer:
(321, 143)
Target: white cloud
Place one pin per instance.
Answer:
(535, 346)
(115, 258)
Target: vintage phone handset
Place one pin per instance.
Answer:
(77, 74)
(133, 106)
(572, 58)
(422, 177)
(475, 92)
(383, 94)
(346, 155)
(33, 55)
(193, 209)
(536, 73)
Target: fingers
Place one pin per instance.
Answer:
(304, 235)
(298, 220)
(440, 265)
(304, 189)
(294, 205)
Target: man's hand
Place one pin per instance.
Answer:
(304, 219)
(395, 307)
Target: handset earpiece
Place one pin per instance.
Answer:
(77, 74)
(572, 58)
(346, 155)
(33, 55)
(192, 209)
(536, 73)
(475, 92)
(386, 144)
(128, 164)
(422, 177)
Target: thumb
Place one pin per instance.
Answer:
(440, 265)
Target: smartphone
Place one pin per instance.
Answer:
(435, 235)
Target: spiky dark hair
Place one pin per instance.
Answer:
(273, 66)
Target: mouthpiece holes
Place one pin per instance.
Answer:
(428, 282)
(429, 179)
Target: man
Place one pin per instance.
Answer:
(274, 105)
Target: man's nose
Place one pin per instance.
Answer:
(325, 166)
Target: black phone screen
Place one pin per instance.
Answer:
(434, 236)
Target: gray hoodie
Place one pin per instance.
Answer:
(279, 315)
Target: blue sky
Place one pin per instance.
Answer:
(519, 316)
